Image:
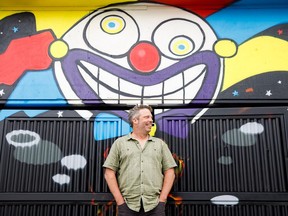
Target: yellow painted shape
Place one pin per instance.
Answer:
(153, 130)
(55, 3)
(58, 49)
(59, 16)
(225, 48)
(58, 21)
(256, 56)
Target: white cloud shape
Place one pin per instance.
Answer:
(225, 200)
(22, 138)
(252, 128)
(74, 162)
(225, 160)
(236, 138)
(61, 179)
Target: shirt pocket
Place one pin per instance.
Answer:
(153, 158)
(129, 156)
(125, 153)
(156, 153)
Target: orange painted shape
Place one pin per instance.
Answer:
(248, 90)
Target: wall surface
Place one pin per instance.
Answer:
(215, 74)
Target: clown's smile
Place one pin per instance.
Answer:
(99, 79)
(115, 89)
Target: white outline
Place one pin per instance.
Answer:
(23, 144)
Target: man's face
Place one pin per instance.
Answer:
(144, 121)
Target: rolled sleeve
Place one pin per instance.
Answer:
(168, 160)
(112, 160)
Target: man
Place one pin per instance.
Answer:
(139, 168)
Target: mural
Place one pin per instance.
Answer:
(182, 61)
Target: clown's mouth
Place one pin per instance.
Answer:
(180, 88)
(86, 78)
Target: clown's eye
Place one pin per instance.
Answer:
(112, 24)
(178, 38)
(181, 46)
(110, 29)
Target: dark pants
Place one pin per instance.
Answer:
(159, 210)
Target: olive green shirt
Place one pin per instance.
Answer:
(140, 171)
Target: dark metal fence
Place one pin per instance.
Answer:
(242, 156)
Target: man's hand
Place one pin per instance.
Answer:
(169, 177)
(110, 177)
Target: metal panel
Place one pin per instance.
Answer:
(56, 209)
(219, 157)
(218, 160)
(203, 209)
(68, 136)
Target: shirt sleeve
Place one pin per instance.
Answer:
(112, 160)
(168, 160)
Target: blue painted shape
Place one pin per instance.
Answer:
(108, 126)
(37, 88)
(245, 22)
(8, 112)
(34, 88)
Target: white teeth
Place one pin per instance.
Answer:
(92, 68)
(189, 90)
(129, 100)
(173, 84)
(175, 98)
(153, 90)
(130, 88)
(102, 75)
(110, 97)
(112, 89)
(192, 73)
(91, 82)
(108, 78)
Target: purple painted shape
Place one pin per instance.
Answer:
(70, 62)
(88, 96)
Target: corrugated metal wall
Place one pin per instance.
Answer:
(217, 158)
(189, 209)
(257, 167)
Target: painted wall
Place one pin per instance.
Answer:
(91, 65)
(200, 59)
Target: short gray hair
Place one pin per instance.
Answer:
(135, 111)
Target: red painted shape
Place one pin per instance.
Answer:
(144, 57)
(203, 8)
(280, 32)
(249, 90)
(22, 54)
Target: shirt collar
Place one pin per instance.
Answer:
(129, 137)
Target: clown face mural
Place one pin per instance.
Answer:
(150, 53)
(133, 53)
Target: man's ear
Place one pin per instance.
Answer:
(134, 120)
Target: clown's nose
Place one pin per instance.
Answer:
(144, 57)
